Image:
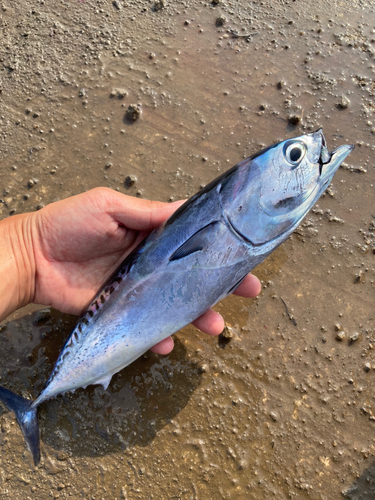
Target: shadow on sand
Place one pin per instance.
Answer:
(140, 400)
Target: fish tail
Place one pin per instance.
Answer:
(27, 419)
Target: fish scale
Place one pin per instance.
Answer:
(198, 257)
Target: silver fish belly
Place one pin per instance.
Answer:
(198, 257)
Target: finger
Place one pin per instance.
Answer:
(210, 322)
(163, 347)
(250, 287)
(139, 214)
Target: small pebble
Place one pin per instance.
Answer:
(158, 5)
(227, 333)
(119, 93)
(42, 316)
(359, 277)
(221, 20)
(203, 368)
(341, 335)
(354, 337)
(133, 112)
(343, 103)
(294, 118)
(274, 416)
(367, 367)
(130, 180)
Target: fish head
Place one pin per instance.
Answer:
(272, 191)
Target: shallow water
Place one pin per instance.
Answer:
(282, 410)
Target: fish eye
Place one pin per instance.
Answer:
(294, 152)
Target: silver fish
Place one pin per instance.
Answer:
(198, 257)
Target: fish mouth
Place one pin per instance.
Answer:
(330, 161)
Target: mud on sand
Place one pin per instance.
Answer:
(154, 99)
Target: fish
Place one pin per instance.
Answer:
(199, 256)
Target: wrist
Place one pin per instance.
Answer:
(17, 263)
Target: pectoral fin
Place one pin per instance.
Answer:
(196, 243)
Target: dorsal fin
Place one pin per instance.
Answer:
(212, 185)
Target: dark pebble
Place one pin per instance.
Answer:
(158, 5)
(294, 119)
(133, 112)
(221, 20)
(42, 317)
(227, 333)
(203, 368)
(130, 180)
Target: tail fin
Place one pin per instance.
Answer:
(26, 417)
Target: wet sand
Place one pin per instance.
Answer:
(285, 408)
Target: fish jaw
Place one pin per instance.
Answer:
(336, 157)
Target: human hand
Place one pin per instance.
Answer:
(78, 243)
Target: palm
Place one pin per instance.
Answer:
(80, 242)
